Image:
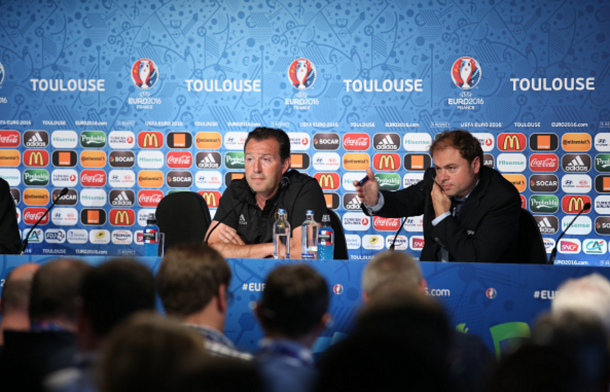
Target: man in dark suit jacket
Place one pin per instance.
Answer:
(470, 211)
(10, 241)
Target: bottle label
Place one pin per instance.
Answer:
(150, 237)
(308, 256)
(326, 237)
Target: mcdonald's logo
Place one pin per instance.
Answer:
(512, 142)
(122, 217)
(574, 204)
(150, 139)
(386, 162)
(211, 198)
(328, 181)
(36, 158)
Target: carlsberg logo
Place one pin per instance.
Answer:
(544, 204)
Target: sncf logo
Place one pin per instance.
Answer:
(150, 139)
(512, 142)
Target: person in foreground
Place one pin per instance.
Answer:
(10, 241)
(471, 212)
(248, 208)
(193, 283)
(292, 313)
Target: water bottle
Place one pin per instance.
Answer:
(309, 237)
(151, 237)
(326, 240)
(281, 236)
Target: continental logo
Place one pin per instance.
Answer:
(512, 142)
(518, 180)
(574, 204)
(576, 142)
(150, 179)
(208, 140)
(386, 162)
(35, 158)
(149, 139)
(10, 158)
(328, 181)
(417, 162)
(64, 158)
(212, 198)
(93, 158)
(300, 161)
(356, 161)
(36, 197)
(93, 216)
(120, 217)
(544, 142)
(179, 140)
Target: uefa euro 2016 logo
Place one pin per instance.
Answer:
(302, 74)
(144, 74)
(1, 73)
(466, 73)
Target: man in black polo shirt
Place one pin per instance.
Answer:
(248, 208)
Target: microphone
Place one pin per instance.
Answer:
(27, 238)
(396, 236)
(554, 252)
(284, 182)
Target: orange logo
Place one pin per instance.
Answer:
(296, 161)
(93, 217)
(329, 200)
(36, 197)
(356, 161)
(64, 158)
(150, 179)
(211, 198)
(179, 140)
(10, 158)
(518, 180)
(576, 142)
(208, 140)
(544, 142)
(237, 176)
(93, 158)
(605, 184)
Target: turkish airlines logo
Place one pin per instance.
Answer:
(356, 141)
(122, 198)
(31, 216)
(93, 178)
(149, 198)
(179, 159)
(328, 181)
(36, 158)
(575, 204)
(512, 142)
(122, 217)
(544, 162)
(9, 139)
(212, 198)
(150, 139)
(179, 140)
(389, 162)
(386, 224)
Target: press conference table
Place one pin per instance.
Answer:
(499, 302)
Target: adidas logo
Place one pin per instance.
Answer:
(208, 162)
(353, 204)
(577, 165)
(546, 227)
(242, 220)
(122, 200)
(36, 141)
(386, 144)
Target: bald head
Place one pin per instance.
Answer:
(16, 292)
(391, 266)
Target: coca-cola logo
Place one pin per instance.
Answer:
(544, 162)
(32, 215)
(356, 141)
(9, 139)
(179, 159)
(386, 224)
(149, 198)
(93, 178)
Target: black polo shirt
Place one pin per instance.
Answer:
(255, 226)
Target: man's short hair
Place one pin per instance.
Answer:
(55, 290)
(263, 133)
(590, 293)
(189, 277)
(16, 291)
(114, 290)
(294, 300)
(388, 265)
(463, 141)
